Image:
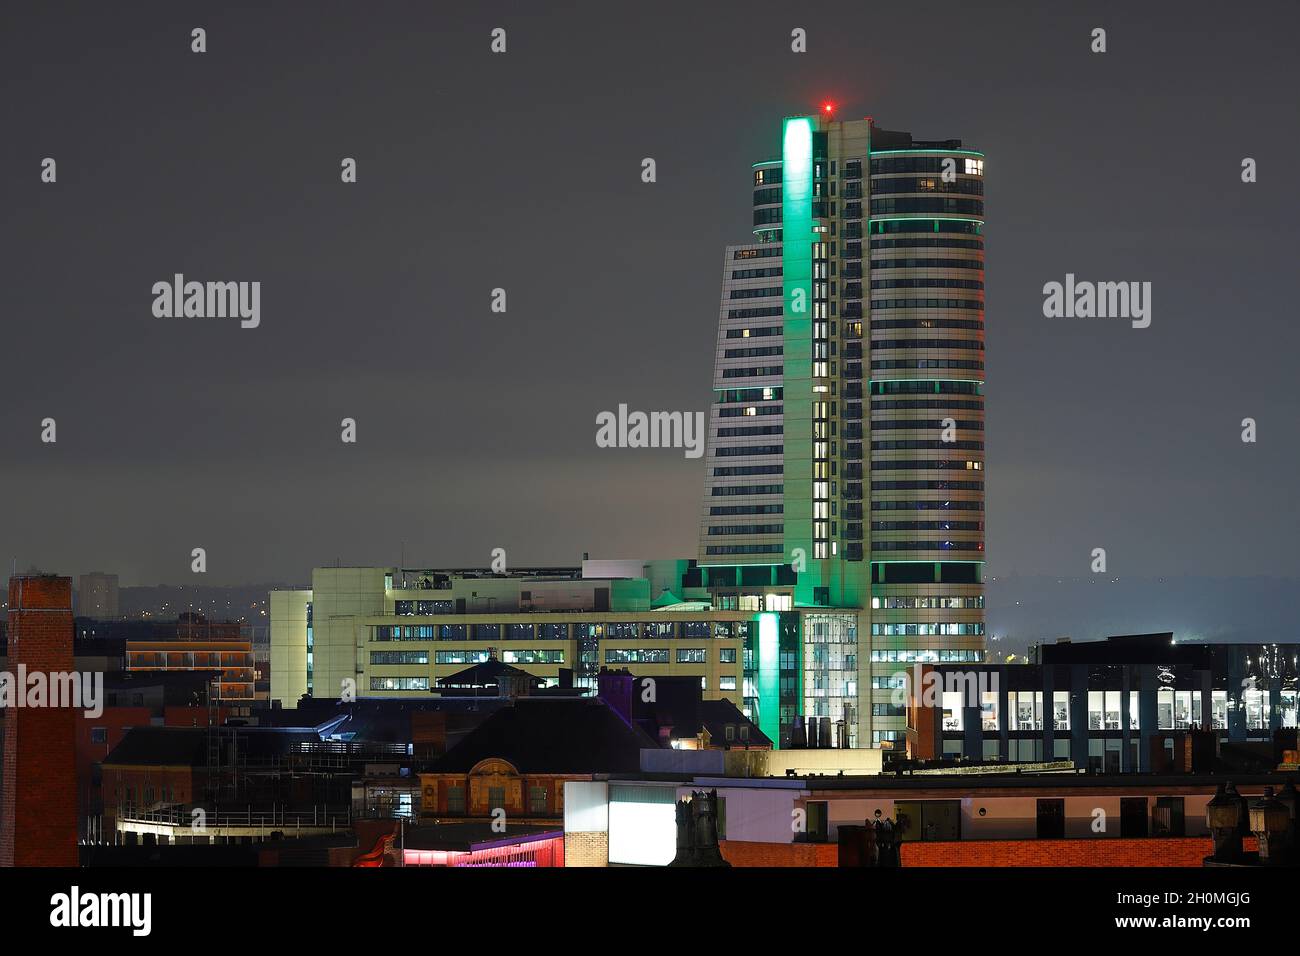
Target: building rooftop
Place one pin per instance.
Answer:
(562, 736)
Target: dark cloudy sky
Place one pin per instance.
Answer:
(522, 171)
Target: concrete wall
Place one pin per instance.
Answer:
(289, 645)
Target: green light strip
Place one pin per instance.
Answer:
(959, 152)
(796, 327)
(769, 676)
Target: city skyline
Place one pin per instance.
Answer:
(392, 480)
(455, 454)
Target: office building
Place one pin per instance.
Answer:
(1140, 703)
(846, 439)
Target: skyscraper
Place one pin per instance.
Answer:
(846, 440)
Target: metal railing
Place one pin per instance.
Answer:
(275, 818)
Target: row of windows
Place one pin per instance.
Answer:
(753, 372)
(766, 394)
(927, 283)
(722, 491)
(737, 471)
(914, 386)
(927, 322)
(926, 264)
(723, 549)
(745, 529)
(927, 506)
(549, 632)
(944, 655)
(927, 242)
(967, 364)
(750, 430)
(927, 184)
(927, 603)
(906, 404)
(927, 344)
(927, 526)
(750, 412)
(399, 683)
(944, 204)
(765, 217)
(762, 252)
(977, 304)
(767, 196)
(659, 655)
(747, 510)
(754, 352)
(399, 657)
(923, 423)
(924, 164)
(766, 273)
(909, 444)
(529, 656)
(927, 486)
(763, 313)
(927, 546)
(755, 332)
(959, 226)
(746, 451)
(763, 292)
(407, 608)
(927, 464)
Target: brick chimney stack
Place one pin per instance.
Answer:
(38, 801)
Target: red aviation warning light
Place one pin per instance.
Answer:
(828, 108)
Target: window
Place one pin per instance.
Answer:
(399, 657)
(727, 655)
(99, 735)
(537, 799)
(399, 683)
(532, 657)
(456, 799)
(496, 798)
(726, 683)
(691, 655)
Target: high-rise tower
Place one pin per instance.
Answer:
(846, 440)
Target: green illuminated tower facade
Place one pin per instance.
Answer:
(845, 487)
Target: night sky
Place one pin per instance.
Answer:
(522, 171)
